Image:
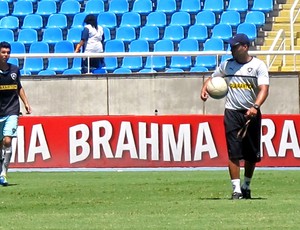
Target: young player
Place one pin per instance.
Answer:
(10, 91)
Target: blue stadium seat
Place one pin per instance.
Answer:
(198, 69)
(46, 72)
(174, 33)
(70, 7)
(206, 18)
(131, 19)
(111, 63)
(99, 71)
(52, 35)
(159, 62)
(39, 47)
(27, 36)
(4, 9)
(198, 32)
(258, 18)
(71, 72)
(64, 47)
(9, 22)
(25, 72)
(118, 7)
(59, 65)
(57, 21)
(16, 47)
(191, 6)
(147, 71)
(222, 31)
(240, 6)
(94, 7)
(181, 18)
(158, 19)
(22, 8)
(107, 19)
(35, 65)
(78, 20)
(74, 35)
(166, 6)
(77, 64)
(33, 21)
(122, 70)
(125, 34)
(174, 70)
(143, 7)
(249, 29)
(184, 62)
(46, 8)
(265, 6)
(216, 6)
(7, 35)
(107, 35)
(225, 57)
(232, 18)
(14, 61)
(135, 63)
(210, 62)
(149, 33)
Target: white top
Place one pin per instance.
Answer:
(94, 41)
(243, 81)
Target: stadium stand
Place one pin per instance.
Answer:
(194, 19)
(191, 6)
(94, 7)
(46, 8)
(10, 22)
(184, 62)
(33, 21)
(232, 18)
(143, 7)
(4, 9)
(7, 35)
(22, 8)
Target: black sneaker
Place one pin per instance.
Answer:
(246, 193)
(236, 196)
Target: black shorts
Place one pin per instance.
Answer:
(248, 147)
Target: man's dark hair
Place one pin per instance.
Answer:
(5, 45)
(92, 20)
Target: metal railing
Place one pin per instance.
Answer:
(293, 18)
(151, 54)
(281, 46)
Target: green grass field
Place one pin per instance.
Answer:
(148, 200)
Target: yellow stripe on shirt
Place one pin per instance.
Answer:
(8, 87)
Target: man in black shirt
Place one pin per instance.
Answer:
(10, 91)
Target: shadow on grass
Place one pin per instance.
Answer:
(9, 185)
(226, 198)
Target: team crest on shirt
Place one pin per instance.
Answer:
(249, 69)
(13, 76)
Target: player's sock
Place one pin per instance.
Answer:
(6, 160)
(236, 185)
(246, 184)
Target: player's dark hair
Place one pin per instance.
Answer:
(92, 20)
(5, 45)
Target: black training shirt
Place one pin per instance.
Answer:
(10, 86)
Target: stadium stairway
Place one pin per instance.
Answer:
(282, 21)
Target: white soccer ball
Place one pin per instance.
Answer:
(217, 87)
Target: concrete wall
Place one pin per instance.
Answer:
(142, 94)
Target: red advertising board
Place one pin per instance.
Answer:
(144, 141)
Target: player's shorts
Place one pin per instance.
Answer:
(248, 147)
(8, 126)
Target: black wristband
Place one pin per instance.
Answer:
(256, 106)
